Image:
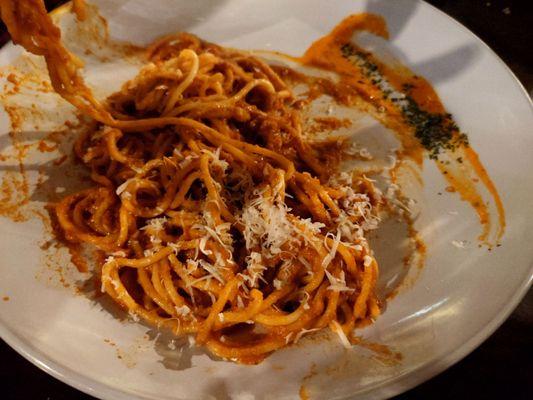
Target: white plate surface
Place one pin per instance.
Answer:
(459, 299)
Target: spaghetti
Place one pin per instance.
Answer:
(215, 215)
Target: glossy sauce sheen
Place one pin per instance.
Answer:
(459, 165)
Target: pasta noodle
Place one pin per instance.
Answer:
(215, 215)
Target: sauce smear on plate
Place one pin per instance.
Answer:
(408, 104)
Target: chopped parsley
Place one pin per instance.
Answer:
(435, 131)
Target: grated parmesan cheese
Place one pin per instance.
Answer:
(109, 259)
(338, 284)
(155, 224)
(211, 270)
(306, 264)
(183, 310)
(192, 266)
(360, 152)
(175, 247)
(133, 315)
(254, 269)
(149, 252)
(212, 298)
(266, 225)
(216, 160)
(201, 246)
(269, 226)
(459, 244)
(155, 240)
(124, 186)
(102, 284)
(342, 336)
(303, 332)
(309, 225)
(240, 303)
(187, 160)
(305, 301)
(333, 250)
(288, 337)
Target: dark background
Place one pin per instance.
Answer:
(502, 366)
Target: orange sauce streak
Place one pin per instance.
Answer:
(5, 298)
(77, 258)
(481, 173)
(326, 53)
(331, 123)
(460, 180)
(303, 393)
(382, 352)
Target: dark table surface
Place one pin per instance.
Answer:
(501, 367)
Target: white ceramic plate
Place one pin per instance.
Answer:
(459, 299)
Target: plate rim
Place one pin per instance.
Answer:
(388, 388)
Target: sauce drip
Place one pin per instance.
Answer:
(410, 106)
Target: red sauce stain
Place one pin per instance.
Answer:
(304, 394)
(60, 160)
(450, 189)
(382, 352)
(328, 124)
(278, 367)
(45, 147)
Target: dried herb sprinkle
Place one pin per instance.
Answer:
(435, 131)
